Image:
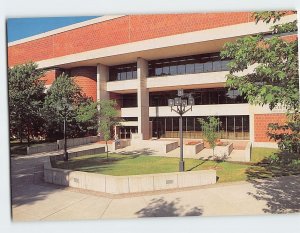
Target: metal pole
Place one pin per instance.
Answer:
(65, 138)
(181, 162)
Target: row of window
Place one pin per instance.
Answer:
(231, 127)
(171, 66)
(202, 97)
(187, 65)
(123, 72)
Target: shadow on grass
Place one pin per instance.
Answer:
(95, 163)
(159, 207)
(282, 195)
(144, 151)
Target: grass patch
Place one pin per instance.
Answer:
(121, 165)
(259, 154)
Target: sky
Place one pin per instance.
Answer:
(19, 28)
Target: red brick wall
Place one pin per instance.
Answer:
(86, 78)
(119, 31)
(261, 122)
(49, 77)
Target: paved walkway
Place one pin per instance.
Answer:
(33, 200)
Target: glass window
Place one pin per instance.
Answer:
(168, 123)
(190, 123)
(217, 66)
(190, 68)
(214, 97)
(158, 71)
(122, 72)
(224, 65)
(205, 98)
(199, 68)
(166, 69)
(176, 124)
(173, 69)
(208, 66)
(181, 69)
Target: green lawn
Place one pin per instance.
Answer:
(259, 154)
(119, 165)
(265, 163)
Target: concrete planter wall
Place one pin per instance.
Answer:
(59, 145)
(121, 144)
(127, 184)
(193, 149)
(223, 151)
(161, 147)
(94, 151)
(42, 148)
(73, 142)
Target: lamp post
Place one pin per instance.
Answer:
(184, 103)
(65, 107)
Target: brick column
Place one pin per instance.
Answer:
(143, 99)
(102, 78)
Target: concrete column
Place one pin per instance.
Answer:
(143, 99)
(251, 123)
(102, 78)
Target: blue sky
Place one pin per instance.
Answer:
(19, 28)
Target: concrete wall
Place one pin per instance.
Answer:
(42, 148)
(223, 151)
(72, 142)
(93, 151)
(127, 184)
(121, 144)
(193, 149)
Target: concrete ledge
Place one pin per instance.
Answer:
(127, 184)
(193, 149)
(42, 148)
(93, 151)
(223, 151)
(265, 144)
(122, 143)
(73, 142)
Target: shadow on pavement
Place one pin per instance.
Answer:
(158, 207)
(283, 193)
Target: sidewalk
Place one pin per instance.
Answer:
(36, 201)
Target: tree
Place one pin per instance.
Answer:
(265, 70)
(64, 87)
(25, 97)
(108, 118)
(209, 129)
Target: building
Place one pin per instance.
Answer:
(141, 61)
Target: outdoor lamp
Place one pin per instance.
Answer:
(170, 102)
(177, 101)
(182, 101)
(180, 92)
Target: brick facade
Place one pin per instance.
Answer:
(118, 31)
(86, 78)
(261, 122)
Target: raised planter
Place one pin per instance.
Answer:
(127, 184)
(223, 151)
(73, 142)
(42, 148)
(122, 143)
(193, 148)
